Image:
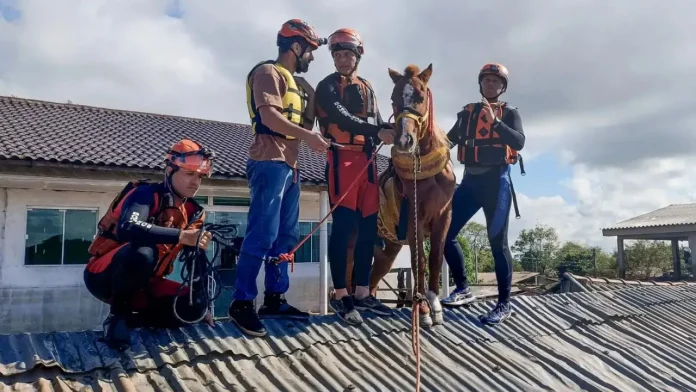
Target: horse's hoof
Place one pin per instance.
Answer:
(438, 318)
(426, 321)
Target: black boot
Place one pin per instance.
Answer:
(276, 306)
(244, 315)
(116, 332)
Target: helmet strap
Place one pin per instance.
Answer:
(169, 185)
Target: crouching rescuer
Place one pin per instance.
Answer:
(140, 237)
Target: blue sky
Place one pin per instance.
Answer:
(9, 11)
(544, 174)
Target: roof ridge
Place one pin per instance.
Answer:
(75, 106)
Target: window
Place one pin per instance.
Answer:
(231, 201)
(59, 236)
(309, 252)
(202, 200)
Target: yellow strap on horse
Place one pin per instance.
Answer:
(431, 164)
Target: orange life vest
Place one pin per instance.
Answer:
(163, 213)
(480, 145)
(360, 102)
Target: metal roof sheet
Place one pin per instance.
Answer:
(672, 215)
(638, 339)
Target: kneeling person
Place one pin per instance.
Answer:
(140, 237)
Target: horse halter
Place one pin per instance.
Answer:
(423, 121)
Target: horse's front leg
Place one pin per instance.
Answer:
(416, 244)
(438, 232)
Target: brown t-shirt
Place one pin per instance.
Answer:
(268, 87)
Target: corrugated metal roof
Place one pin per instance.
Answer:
(604, 284)
(672, 215)
(640, 339)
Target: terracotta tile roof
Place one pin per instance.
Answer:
(87, 135)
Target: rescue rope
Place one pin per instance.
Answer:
(290, 256)
(200, 273)
(417, 299)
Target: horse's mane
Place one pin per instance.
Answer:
(411, 71)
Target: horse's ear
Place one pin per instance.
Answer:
(395, 75)
(426, 74)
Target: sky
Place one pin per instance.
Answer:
(604, 89)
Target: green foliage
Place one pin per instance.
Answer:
(538, 249)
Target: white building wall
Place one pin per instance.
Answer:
(49, 298)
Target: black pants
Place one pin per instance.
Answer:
(124, 279)
(344, 222)
(491, 191)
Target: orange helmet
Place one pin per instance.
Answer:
(190, 156)
(297, 28)
(346, 39)
(494, 69)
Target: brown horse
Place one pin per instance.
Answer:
(420, 170)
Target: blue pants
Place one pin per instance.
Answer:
(491, 191)
(272, 227)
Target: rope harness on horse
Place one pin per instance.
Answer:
(200, 274)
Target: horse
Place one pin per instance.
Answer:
(421, 176)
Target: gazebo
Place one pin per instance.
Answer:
(676, 222)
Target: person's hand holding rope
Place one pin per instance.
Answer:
(198, 272)
(190, 238)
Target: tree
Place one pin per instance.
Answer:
(536, 248)
(647, 259)
(477, 236)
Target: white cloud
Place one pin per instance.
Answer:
(129, 55)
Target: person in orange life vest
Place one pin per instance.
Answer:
(348, 115)
(489, 135)
(139, 239)
(281, 108)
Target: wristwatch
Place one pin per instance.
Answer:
(496, 121)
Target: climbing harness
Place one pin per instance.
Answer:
(290, 256)
(200, 274)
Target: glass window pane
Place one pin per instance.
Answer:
(235, 218)
(44, 237)
(231, 201)
(202, 200)
(80, 228)
(304, 254)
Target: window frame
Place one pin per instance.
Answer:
(62, 247)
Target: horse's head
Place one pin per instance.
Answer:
(412, 104)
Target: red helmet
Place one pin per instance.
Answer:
(190, 156)
(494, 69)
(297, 28)
(346, 39)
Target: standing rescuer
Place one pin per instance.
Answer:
(348, 115)
(139, 239)
(281, 108)
(488, 135)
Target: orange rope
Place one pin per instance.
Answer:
(415, 340)
(290, 256)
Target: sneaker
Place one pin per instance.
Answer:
(244, 315)
(276, 306)
(345, 310)
(372, 304)
(116, 332)
(459, 297)
(500, 313)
